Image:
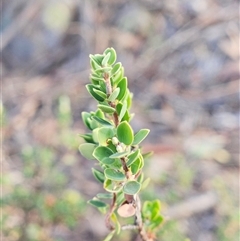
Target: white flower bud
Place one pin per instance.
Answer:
(119, 148)
(123, 146)
(115, 140)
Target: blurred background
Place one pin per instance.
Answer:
(182, 62)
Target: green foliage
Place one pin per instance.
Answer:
(115, 147)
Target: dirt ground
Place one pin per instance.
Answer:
(182, 63)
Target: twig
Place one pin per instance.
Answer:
(111, 210)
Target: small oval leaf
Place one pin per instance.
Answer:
(87, 149)
(112, 186)
(140, 136)
(123, 88)
(114, 175)
(119, 155)
(106, 59)
(90, 89)
(98, 175)
(102, 121)
(123, 111)
(97, 203)
(116, 68)
(100, 93)
(101, 152)
(107, 161)
(133, 157)
(114, 94)
(113, 55)
(131, 187)
(105, 195)
(125, 133)
(106, 109)
(105, 133)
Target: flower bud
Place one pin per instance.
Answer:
(123, 146)
(119, 148)
(115, 140)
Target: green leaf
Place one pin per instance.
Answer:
(113, 55)
(96, 77)
(123, 88)
(117, 77)
(101, 152)
(105, 133)
(90, 89)
(105, 195)
(156, 222)
(97, 203)
(98, 175)
(86, 149)
(123, 111)
(107, 161)
(132, 157)
(131, 187)
(116, 68)
(114, 175)
(99, 114)
(87, 137)
(97, 58)
(140, 136)
(102, 121)
(100, 93)
(125, 133)
(136, 166)
(119, 155)
(94, 63)
(114, 94)
(110, 236)
(95, 135)
(102, 70)
(85, 118)
(106, 59)
(106, 109)
(112, 186)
